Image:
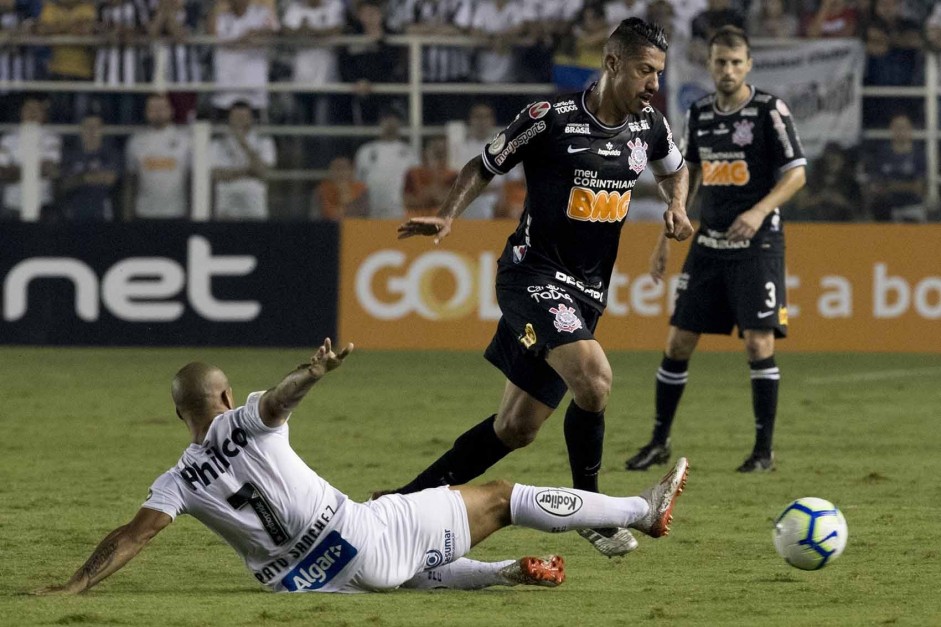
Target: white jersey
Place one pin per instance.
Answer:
(495, 66)
(381, 165)
(50, 149)
(315, 66)
(243, 68)
(293, 529)
(482, 207)
(161, 159)
(244, 198)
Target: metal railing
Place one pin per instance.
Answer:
(414, 88)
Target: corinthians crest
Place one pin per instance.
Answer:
(565, 319)
(638, 159)
(743, 134)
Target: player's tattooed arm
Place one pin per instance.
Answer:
(471, 181)
(675, 187)
(116, 549)
(278, 402)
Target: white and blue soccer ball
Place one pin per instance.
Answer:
(810, 533)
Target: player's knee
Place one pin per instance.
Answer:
(759, 346)
(680, 345)
(517, 434)
(501, 488)
(591, 390)
(500, 492)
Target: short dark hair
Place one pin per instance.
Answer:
(633, 34)
(730, 37)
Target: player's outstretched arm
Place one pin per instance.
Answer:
(278, 402)
(117, 549)
(472, 180)
(676, 188)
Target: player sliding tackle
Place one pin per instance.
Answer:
(240, 477)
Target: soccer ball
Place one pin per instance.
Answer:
(810, 533)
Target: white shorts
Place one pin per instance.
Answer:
(409, 533)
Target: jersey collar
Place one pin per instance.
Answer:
(592, 115)
(715, 103)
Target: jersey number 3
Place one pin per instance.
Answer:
(248, 494)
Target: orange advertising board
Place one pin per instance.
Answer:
(854, 287)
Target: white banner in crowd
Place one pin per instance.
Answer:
(820, 80)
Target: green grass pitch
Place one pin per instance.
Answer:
(85, 431)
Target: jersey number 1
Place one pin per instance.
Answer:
(248, 494)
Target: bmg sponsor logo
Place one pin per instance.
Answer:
(587, 205)
(558, 502)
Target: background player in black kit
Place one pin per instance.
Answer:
(582, 154)
(746, 160)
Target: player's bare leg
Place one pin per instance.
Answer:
(765, 379)
(681, 344)
(520, 417)
(671, 381)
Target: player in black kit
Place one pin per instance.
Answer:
(746, 160)
(582, 154)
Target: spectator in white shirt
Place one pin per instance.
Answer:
(241, 67)
(615, 11)
(547, 21)
(382, 163)
(478, 131)
(684, 11)
(502, 22)
(314, 20)
(33, 110)
(157, 163)
(240, 162)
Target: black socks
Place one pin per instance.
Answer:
(584, 437)
(765, 378)
(671, 381)
(473, 453)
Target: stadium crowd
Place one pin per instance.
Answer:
(102, 175)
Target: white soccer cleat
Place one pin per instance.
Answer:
(661, 498)
(620, 542)
(546, 571)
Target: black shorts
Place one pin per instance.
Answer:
(715, 294)
(538, 316)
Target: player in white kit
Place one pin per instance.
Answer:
(241, 478)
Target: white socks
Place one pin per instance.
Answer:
(462, 574)
(561, 509)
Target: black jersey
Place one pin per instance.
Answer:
(741, 154)
(579, 177)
